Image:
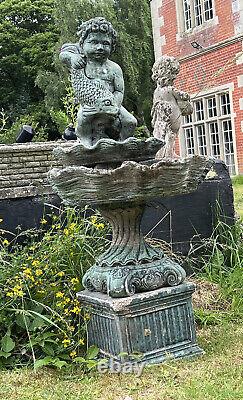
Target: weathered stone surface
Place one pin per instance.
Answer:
(159, 324)
(130, 265)
(107, 151)
(131, 182)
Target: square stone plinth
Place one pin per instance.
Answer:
(157, 324)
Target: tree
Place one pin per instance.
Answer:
(134, 51)
(27, 36)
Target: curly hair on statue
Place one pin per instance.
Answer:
(165, 70)
(95, 25)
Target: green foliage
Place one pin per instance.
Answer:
(221, 261)
(134, 51)
(27, 36)
(41, 319)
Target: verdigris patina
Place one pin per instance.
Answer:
(169, 105)
(98, 84)
(137, 295)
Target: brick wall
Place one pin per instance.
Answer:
(218, 63)
(24, 167)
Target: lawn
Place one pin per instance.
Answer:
(216, 375)
(238, 194)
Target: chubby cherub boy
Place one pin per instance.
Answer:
(98, 84)
(169, 105)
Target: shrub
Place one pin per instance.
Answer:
(41, 319)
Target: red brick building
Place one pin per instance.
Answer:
(207, 37)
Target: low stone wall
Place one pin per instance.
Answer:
(24, 167)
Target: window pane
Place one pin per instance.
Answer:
(225, 104)
(208, 9)
(187, 14)
(199, 110)
(190, 145)
(198, 12)
(214, 135)
(229, 146)
(188, 119)
(212, 108)
(202, 142)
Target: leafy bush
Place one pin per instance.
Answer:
(221, 261)
(41, 319)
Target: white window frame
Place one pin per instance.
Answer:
(183, 29)
(211, 144)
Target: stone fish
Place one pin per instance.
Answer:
(92, 93)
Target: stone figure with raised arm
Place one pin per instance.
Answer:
(98, 84)
(169, 105)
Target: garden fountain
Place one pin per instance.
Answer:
(138, 297)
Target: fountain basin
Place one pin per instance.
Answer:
(131, 182)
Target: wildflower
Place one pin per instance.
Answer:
(43, 221)
(59, 295)
(60, 304)
(74, 281)
(27, 272)
(61, 273)
(39, 272)
(76, 310)
(6, 242)
(66, 300)
(10, 294)
(1, 220)
(72, 226)
(66, 232)
(72, 328)
(35, 263)
(100, 226)
(86, 316)
(81, 341)
(93, 219)
(73, 353)
(66, 342)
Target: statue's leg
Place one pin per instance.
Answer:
(128, 123)
(84, 128)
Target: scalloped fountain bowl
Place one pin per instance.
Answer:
(120, 190)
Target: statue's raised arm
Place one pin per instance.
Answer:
(98, 84)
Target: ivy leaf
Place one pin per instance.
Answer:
(7, 343)
(5, 355)
(92, 352)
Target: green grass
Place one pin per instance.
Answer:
(238, 194)
(216, 375)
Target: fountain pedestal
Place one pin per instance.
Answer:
(158, 324)
(136, 294)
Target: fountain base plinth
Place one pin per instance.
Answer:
(158, 325)
(126, 280)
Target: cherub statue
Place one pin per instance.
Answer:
(98, 84)
(169, 105)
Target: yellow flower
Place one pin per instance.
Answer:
(72, 328)
(39, 272)
(81, 341)
(59, 295)
(66, 342)
(10, 294)
(66, 232)
(61, 273)
(100, 226)
(66, 300)
(5, 242)
(74, 281)
(43, 221)
(27, 272)
(86, 316)
(35, 263)
(73, 353)
(76, 310)
(93, 219)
